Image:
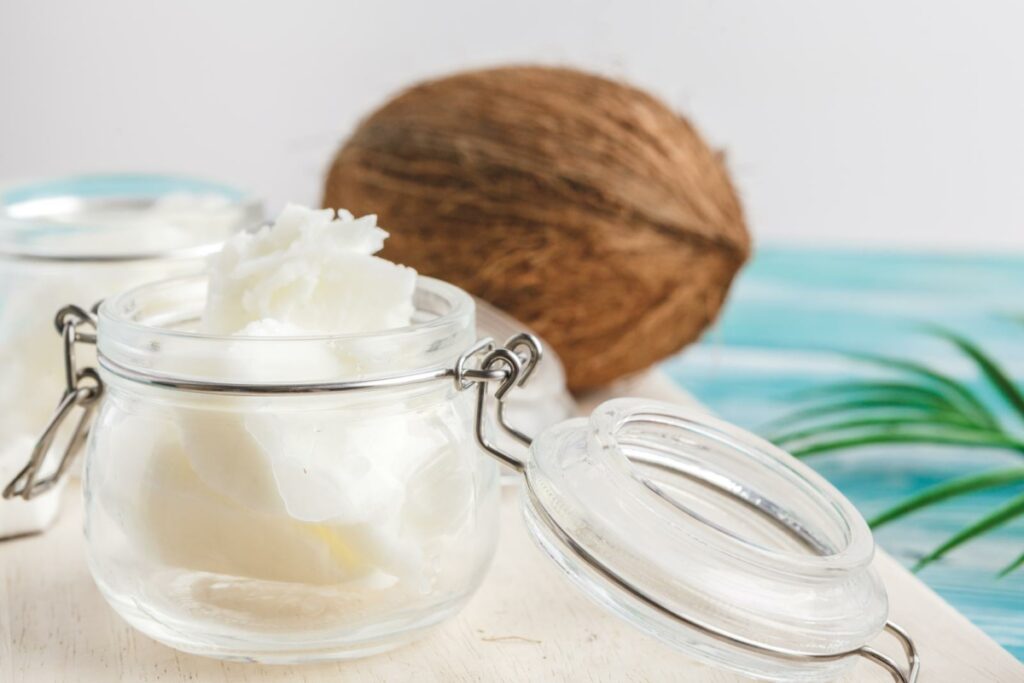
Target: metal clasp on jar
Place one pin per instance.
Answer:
(83, 389)
(483, 364)
(511, 365)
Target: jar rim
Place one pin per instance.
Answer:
(31, 208)
(145, 334)
(851, 548)
(116, 311)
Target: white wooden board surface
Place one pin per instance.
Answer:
(527, 623)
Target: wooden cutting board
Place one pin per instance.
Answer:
(527, 623)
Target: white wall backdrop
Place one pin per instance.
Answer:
(870, 122)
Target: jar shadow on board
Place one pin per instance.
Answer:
(80, 239)
(278, 526)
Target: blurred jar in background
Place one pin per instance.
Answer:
(80, 239)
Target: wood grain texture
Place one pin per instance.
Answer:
(527, 623)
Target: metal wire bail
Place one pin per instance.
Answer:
(913, 658)
(528, 348)
(83, 388)
(899, 675)
(516, 359)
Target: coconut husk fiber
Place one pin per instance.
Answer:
(582, 206)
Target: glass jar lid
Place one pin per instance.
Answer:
(708, 538)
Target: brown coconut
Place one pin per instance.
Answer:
(582, 206)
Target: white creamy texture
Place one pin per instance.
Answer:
(310, 272)
(348, 488)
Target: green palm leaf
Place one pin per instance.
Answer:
(979, 440)
(1001, 515)
(869, 405)
(1012, 566)
(937, 422)
(904, 391)
(950, 489)
(989, 368)
(919, 406)
(954, 387)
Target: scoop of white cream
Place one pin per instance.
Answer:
(311, 272)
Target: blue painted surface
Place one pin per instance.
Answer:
(789, 313)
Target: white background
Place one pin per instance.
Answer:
(870, 122)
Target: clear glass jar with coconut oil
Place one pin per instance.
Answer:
(239, 505)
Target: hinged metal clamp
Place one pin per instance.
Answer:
(515, 361)
(82, 390)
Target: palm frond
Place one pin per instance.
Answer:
(978, 440)
(1013, 566)
(917, 405)
(906, 392)
(937, 422)
(861, 406)
(953, 488)
(952, 386)
(996, 376)
(1001, 515)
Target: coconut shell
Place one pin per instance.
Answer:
(582, 206)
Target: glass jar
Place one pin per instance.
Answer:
(278, 525)
(78, 239)
(289, 499)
